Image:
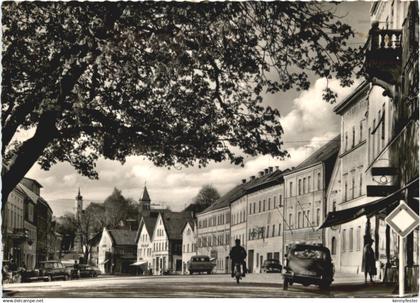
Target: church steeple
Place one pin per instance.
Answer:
(145, 202)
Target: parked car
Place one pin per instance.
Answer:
(200, 264)
(308, 264)
(88, 271)
(271, 265)
(47, 271)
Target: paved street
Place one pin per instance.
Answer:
(254, 285)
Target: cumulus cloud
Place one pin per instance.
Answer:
(309, 124)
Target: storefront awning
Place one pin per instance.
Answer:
(139, 263)
(386, 204)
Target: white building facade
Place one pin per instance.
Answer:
(189, 244)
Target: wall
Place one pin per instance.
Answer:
(105, 249)
(213, 237)
(265, 226)
(189, 246)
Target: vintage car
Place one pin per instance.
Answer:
(47, 271)
(308, 264)
(88, 271)
(271, 265)
(200, 264)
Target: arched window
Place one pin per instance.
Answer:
(333, 246)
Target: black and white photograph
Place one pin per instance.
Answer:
(210, 149)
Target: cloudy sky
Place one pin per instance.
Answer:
(308, 123)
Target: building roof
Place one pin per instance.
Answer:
(174, 223)
(359, 90)
(321, 155)
(146, 197)
(270, 179)
(31, 195)
(225, 200)
(123, 236)
(34, 181)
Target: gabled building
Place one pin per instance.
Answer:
(144, 242)
(305, 200)
(167, 242)
(117, 251)
(189, 243)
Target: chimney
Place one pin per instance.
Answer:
(252, 177)
(243, 181)
(277, 168)
(266, 171)
(261, 173)
(271, 169)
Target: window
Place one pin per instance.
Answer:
(319, 181)
(298, 220)
(254, 206)
(352, 186)
(333, 246)
(269, 203)
(274, 202)
(346, 141)
(358, 237)
(268, 231)
(360, 184)
(373, 139)
(273, 233)
(264, 205)
(369, 148)
(308, 217)
(334, 206)
(343, 244)
(345, 190)
(291, 189)
(279, 230)
(304, 182)
(290, 220)
(361, 131)
(250, 208)
(318, 216)
(351, 239)
(354, 137)
(300, 187)
(227, 218)
(309, 184)
(280, 200)
(259, 206)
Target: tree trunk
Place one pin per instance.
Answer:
(28, 154)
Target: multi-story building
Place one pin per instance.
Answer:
(391, 67)
(31, 200)
(305, 187)
(144, 241)
(167, 241)
(117, 251)
(189, 243)
(213, 233)
(348, 185)
(264, 218)
(14, 235)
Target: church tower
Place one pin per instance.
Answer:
(144, 205)
(78, 210)
(78, 206)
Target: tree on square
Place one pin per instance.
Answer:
(176, 83)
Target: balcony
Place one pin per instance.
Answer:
(383, 54)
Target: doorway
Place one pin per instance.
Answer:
(250, 260)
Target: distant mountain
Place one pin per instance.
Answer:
(62, 206)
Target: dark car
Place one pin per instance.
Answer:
(200, 264)
(47, 271)
(308, 264)
(88, 271)
(271, 265)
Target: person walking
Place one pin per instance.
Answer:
(369, 260)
